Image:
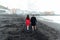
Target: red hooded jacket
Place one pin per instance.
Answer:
(27, 22)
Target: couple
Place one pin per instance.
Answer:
(32, 21)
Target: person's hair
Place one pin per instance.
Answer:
(27, 17)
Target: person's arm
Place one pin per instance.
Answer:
(35, 19)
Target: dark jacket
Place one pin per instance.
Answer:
(33, 20)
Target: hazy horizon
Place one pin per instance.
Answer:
(38, 5)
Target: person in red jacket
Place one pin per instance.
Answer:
(27, 22)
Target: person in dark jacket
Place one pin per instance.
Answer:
(27, 22)
(33, 22)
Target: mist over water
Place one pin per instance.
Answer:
(54, 19)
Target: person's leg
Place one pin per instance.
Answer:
(33, 28)
(27, 27)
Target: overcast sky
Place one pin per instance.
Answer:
(40, 5)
